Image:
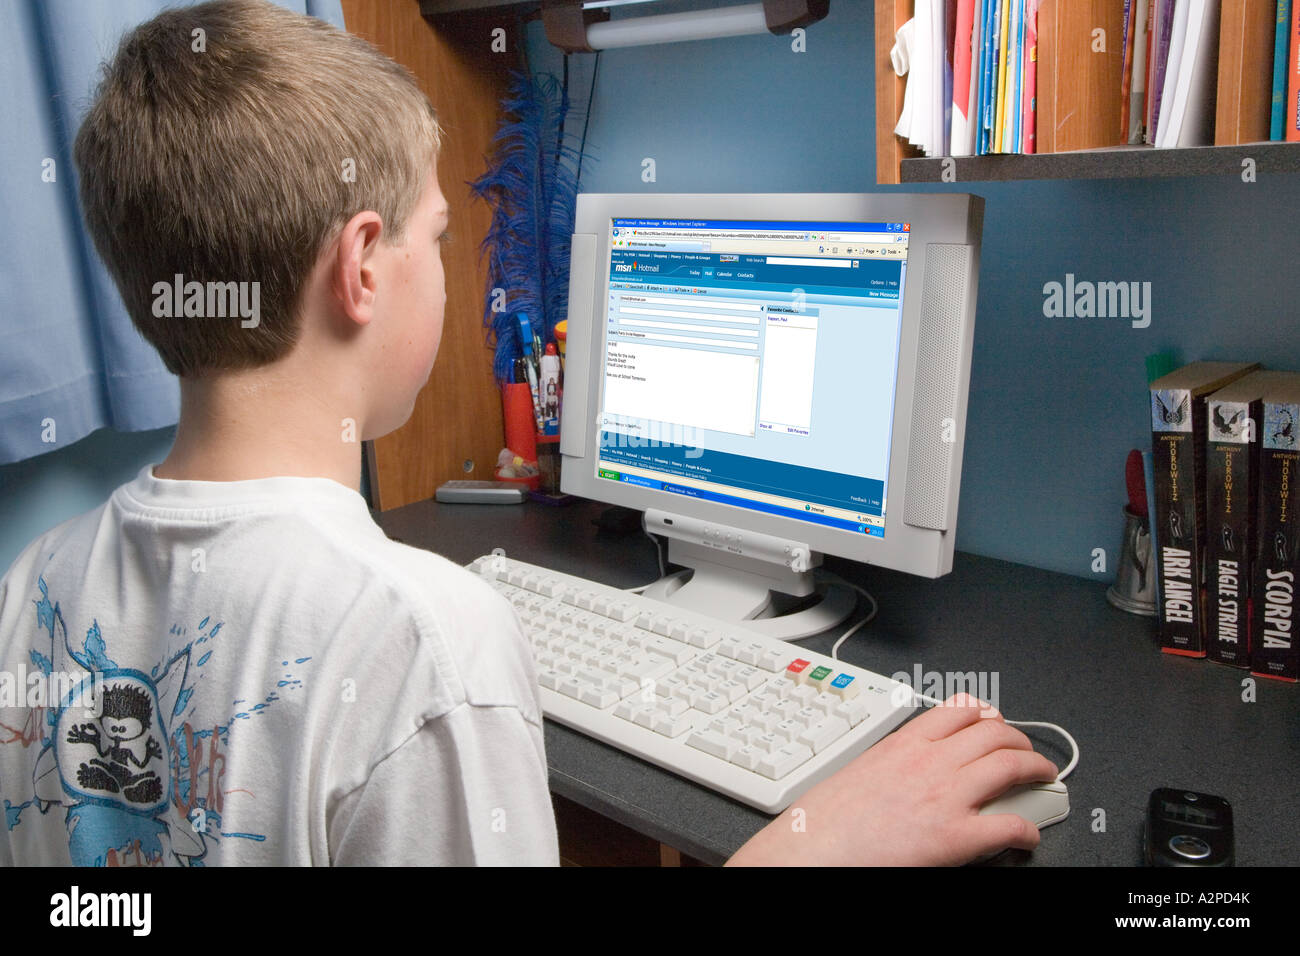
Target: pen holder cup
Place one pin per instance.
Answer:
(1134, 589)
(520, 420)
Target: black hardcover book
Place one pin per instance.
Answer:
(1231, 467)
(1277, 565)
(1178, 438)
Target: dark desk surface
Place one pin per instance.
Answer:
(1060, 653)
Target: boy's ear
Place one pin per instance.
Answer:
(353, 270)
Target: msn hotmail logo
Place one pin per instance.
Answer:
(624, 267)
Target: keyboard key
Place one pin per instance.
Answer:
(666, 647)
(845, 686)
(797, 670)
(783, 687)
(550, 679)
(855, 711)
(770, 742)
(672, 726)
(571, 687)
(601, 698)
(703, 637)
(732, 690)
(776, 765)
(820, 677)
(821, 735)
(724, 724)
(826, 703)
(663, 625)
(713, 743)
(728, 647)
(751, 652)
(747, 735)
(804, 694)
(710, 703)
(748, 757)
(771, 661)
(625, 710)
(751, 677)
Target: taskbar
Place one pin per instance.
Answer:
(873, 528)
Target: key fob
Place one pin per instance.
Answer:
(1185, 828)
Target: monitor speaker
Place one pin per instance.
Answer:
(936, 429)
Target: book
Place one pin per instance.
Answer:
(1014, 76)
(1137, 91)
(999, 113)
(990, 98)
(1190, 116)
(1163, 46)
(962, 77)
(1233, 427)
(1029, 102)
(1281, 44)
(1291, 109)
(1273, 651)
(1152, 7)
(1244, 102)
(1126, 69)
(1178, 434)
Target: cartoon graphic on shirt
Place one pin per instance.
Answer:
(122, 734)
(141, 784)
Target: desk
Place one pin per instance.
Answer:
(1061, 653)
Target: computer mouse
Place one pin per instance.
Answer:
(1042, 804)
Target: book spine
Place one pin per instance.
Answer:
(1126, 69)
(1291, 115)
(1230, 469)
(1277, 566)
(1000, 115)
(1280, 60)
(1030, 102)
(961, 77)
(1137, 89)
(990, 75)
(1149, 95)
(1162, 61)
(1178, 445)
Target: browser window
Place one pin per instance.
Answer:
(755, 363)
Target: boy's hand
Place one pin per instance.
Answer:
(913, 799)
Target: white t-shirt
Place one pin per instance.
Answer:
(250, 672)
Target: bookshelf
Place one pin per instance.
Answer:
(1078, 118)
(1121, 162)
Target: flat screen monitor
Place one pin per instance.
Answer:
(775, 374)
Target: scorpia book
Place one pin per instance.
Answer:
(1178, 436)
(1277, 564)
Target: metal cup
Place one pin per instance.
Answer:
(1134, 589)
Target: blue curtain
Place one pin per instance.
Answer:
(70, 360)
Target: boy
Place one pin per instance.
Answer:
(235, 665)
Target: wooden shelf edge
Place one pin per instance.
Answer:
(1135, 162)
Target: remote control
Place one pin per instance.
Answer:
(480, 493)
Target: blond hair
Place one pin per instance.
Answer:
(217, 148)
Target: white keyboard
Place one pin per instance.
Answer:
(752, 717)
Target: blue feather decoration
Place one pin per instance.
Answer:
(532, 187)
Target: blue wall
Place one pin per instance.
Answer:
(1055, 404)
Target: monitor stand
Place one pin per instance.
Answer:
(754, 579)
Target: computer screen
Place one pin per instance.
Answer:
(775, 371)
(754, 364)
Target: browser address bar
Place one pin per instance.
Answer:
(808, 261)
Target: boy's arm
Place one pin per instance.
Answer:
(911, 800)
(468, 788)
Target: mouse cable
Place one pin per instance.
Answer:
(1074, 746)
